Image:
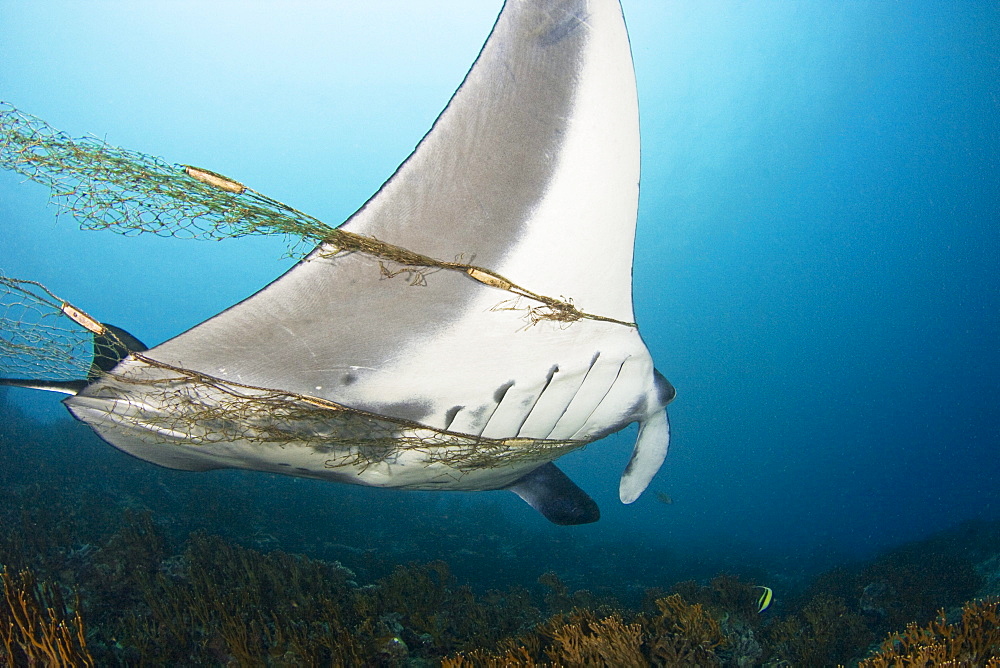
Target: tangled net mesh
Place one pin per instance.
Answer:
(199, 409)
(43, 337)
(110, 188)
(38, 340)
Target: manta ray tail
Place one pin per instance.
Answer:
(110, 347)
(550, 491)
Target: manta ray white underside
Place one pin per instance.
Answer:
(532, 172)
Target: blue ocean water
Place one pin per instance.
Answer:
(816, 256)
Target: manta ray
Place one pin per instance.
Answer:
(472, 322)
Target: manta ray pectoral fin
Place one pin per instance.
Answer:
(550, 491)
(649, 453)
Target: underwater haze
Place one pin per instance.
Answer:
(816, 259)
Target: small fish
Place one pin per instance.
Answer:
(663, 497)
(765, 598)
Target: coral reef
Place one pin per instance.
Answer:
(680, 634)
(912, 582)
(242, 570)
(228, 604)
(36, 627)
(825, 633)
(974, 640)
(684, 634)
(209, 601)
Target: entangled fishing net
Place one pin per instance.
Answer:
(46, 338)
(198, 409)
(43, 337)
(111, 188)
(38, 340)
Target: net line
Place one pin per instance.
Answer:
(54, 340)
(43, 337)
(38, 339)
(110, 188)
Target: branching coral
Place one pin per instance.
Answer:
(36, 628)
(825, 633)
(560, 599)
(912, 582)
(604, 642)
(681, 634)
(215, 603)
(577, 638)
(974, 640)
(684, 634)
(724, 595)
(229, 604)
(518, 657)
